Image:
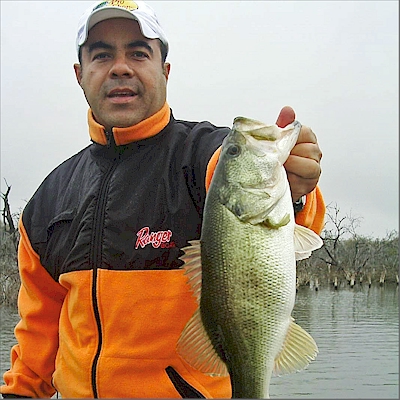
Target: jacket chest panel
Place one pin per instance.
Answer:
(127, 216)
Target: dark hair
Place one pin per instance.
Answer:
(163, 49)
(80, 55)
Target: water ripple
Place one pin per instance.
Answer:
(357, 332)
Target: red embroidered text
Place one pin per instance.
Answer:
(156, 239)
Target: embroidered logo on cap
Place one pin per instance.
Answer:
(127, 4)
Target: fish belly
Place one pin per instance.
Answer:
(248, 292)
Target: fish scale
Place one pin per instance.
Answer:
(259, 299)
(243, 269)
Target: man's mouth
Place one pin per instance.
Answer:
(121, 96)
(121, 93)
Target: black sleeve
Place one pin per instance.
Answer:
(201, 143)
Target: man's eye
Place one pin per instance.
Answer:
(140, 54)
(101, 56)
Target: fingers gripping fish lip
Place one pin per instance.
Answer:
(265, 139)
(262, 131)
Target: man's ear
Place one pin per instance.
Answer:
(78, 73)
(166, 69)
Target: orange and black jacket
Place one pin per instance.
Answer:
(103, 299)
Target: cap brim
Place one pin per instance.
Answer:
(108, 13)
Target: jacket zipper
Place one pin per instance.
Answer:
(95, 261)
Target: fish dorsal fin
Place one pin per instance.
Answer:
(299, 349)
(305, 241)
(192, 266)
(194, 344)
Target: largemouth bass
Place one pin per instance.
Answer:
(243, 269)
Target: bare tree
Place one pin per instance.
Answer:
(341, 257)
(7, 216)
(9, 237)
(386, 257)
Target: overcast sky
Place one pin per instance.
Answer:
(335, 63)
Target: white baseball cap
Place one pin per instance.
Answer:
(136, 10)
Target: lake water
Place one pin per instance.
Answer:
(357, 332)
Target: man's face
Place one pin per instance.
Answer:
(121, 73)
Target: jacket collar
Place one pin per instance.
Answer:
(143, 130)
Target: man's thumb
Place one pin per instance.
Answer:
(286, 117)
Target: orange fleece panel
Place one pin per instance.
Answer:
(40, 300)
(313, 214)
(140, 336)
(142, 315)
(78, 337)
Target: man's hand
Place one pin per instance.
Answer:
(303, 164)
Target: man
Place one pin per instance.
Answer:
(103, 299)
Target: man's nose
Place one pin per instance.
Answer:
(121, 68)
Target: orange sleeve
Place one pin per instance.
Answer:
(39, 304)
(313, 214)
(211, 167)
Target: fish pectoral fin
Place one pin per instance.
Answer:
(195, 347)
(305, 242)
(192, 266)
(299, 349)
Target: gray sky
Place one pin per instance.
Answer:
(334, 62)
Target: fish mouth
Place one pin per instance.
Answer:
(266, 140)
(256, 129)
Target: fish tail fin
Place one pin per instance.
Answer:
(299, 349)
(305, 242)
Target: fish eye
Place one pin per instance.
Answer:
(233, 150)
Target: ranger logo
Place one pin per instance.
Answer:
(156, 239)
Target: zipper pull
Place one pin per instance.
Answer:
(109, 136)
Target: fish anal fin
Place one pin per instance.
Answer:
(305, 242)
(298, 351)
(195, 347)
